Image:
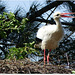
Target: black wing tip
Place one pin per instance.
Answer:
(37, 40)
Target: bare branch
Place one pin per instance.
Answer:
(52, 22)
(43, 10)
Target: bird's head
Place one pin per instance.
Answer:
(58, 15)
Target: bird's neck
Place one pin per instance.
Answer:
(58, 23)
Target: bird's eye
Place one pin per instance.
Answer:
(57, 15)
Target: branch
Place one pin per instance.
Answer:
(51, 13)
(52, 22)
(43, 10)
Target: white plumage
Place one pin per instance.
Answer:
(51, 34)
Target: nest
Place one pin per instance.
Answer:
(25, 66)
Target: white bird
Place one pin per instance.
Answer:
(49, 36)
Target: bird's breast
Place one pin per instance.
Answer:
(58, 35)
(51, 41)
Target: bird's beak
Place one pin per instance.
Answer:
(64, 15)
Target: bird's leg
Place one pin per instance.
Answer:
(48, 57)
(44, 57)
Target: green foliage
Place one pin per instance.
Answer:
(9, 22)
(2, 34)
(73, 72)
(21, 53)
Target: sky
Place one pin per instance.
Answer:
(14, 4)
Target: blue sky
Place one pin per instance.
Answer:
(14, 4)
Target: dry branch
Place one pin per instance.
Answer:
(43, 10)
(52, 22)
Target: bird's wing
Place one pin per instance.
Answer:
(45, 31)
(38, 40)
